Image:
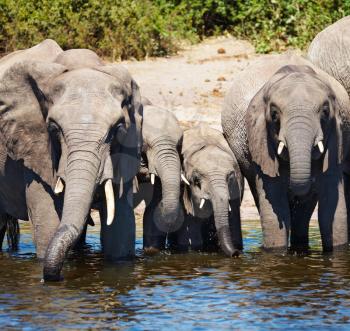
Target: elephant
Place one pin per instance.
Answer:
(9, 226)
(212, 195)
(75, 131)
(330, 51)
(286, 122)
(158, 181)
(26, 169)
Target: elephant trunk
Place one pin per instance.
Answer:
(169, 170)
(220, 203)
(300, 140)
(82, 170)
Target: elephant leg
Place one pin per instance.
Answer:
(274, 211)
(3, 227)
(118, 239)
(209, 234)
(154, 239)
(347, 198)
(188, 236)
(332, 215)
(235, 224)
(42, 213)
(301, 212)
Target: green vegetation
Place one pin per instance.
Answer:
(139, 28)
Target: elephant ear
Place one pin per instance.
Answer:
(334, 153)
(187, 200)
(23, 108)
(130, 142)
(260, 146)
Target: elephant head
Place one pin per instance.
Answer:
(213, 180)
(66, 125)
(162, 137)
(294, 119)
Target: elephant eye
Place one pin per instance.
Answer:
(274, 113)
(196, 182)
(325, 110)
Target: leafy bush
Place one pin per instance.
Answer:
(139, 28)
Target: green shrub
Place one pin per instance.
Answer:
(139, 28)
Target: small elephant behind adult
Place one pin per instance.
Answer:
(212, 194)
(330, 51)
(159, 176)
(287, 123)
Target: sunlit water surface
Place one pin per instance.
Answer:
(257, 291)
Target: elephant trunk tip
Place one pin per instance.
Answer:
(52, 274)
(226, 243)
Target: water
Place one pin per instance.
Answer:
(257, 291)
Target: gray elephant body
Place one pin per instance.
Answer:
(77, 126)
(162, 137)
(23, 194)
(286, 99)
(330, 51)
(212, 196)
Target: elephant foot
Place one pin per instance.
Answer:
(299, 249)
(151, 250)
(275, 249)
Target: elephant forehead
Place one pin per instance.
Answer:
(88, 79)
(212, 158)
(299, 86)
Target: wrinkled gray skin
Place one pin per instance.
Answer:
(82, 124)
(162, 137)
(213, 173)
(268, 103)
(26, 169)
(330, 51)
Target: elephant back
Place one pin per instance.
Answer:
(330, 51)
(46, 51)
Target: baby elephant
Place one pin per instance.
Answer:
(212, 194)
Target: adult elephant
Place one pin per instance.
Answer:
(26, 168)
(76, 129)
(159, 176)
(283, 120)
(330, 51)
(212, 196)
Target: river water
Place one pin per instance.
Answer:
(257, 291)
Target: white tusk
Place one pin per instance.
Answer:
(109, 201)
(320, 146)
(280, 148)
(202, 203)
(229, 207)
(121, 187)
(185, 179)
(59, 186)
(153, 178)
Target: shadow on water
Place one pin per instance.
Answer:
(203, 291)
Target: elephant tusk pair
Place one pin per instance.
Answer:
(184, 179)
(110, 201)
(59, 186)
(281, 146)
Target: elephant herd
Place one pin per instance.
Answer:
(76, 135)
